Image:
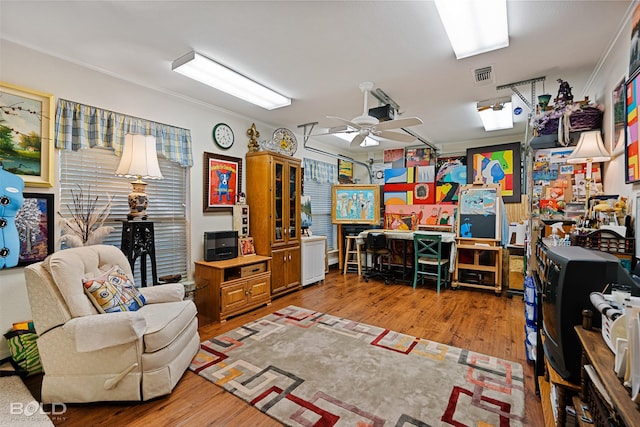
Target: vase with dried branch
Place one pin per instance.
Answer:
(84, 225)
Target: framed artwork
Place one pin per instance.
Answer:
(451, 174)
(355, 204)
(634, 45)
(222, 176)
(35, 226)
(478, 213)
(496, 164)
(395, 156)
(618, 103)
(632, 161)
(26, 134)
(246, 246)
(345, 172)
(417, 156)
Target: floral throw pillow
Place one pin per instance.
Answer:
(113, 291)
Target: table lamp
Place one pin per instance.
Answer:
(139, 160)
(590, 149)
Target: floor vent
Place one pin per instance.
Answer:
(483, 76)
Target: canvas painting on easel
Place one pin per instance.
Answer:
(478, 213)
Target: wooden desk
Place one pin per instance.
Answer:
(596, 353)
(407, 236)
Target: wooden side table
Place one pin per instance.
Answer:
(138, 242)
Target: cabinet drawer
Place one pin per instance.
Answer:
(250, 270)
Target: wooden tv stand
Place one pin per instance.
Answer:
(230, 287)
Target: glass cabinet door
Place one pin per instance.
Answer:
(293, 202)
(278, 202)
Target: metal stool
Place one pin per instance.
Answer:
(352, 254)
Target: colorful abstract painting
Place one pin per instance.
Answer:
(451, 173)
(632, 170)
(496, 164)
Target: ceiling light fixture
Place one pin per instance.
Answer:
(474, 27)
(211, 73)
(496, 114)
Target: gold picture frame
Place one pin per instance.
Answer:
(26, 134)
(355, 204)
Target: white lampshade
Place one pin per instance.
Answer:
(139, 158)
(590, 148)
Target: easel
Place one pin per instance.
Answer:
(478, 259)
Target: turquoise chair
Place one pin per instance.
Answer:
(428, 261)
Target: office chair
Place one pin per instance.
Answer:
(376, 246)
(428, 261)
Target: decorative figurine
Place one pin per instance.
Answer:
(253, 135)
(564, 92)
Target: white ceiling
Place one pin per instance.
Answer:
(318, 52)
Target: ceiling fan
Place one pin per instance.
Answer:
(369, 126)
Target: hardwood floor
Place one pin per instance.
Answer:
(472, 319)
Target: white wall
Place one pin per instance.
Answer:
(34, 70)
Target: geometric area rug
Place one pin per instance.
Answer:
(306, 368)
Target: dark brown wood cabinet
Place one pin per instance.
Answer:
(273, 195)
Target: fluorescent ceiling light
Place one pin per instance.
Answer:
(211, 73)
(474, 26)
(496, 114)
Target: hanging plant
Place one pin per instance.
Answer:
(84, 225)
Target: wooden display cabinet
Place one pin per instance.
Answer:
(273, 195)
(230, 287)
(478, 265)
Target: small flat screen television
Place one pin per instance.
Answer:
(572, 273)
(220, 245)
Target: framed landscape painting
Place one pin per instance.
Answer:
(26, 134)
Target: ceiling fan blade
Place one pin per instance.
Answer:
(399, 123)
(394, 136)
(357, 140)
(349, 122)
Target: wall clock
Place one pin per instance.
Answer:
(223, 135)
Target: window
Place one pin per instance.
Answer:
(93, 170)
(318, 179)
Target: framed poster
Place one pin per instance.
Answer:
(355, 204)
(26, 126)
(479, 213)
(345, 172)
(496, 164)
(222, 177)
(35, 226)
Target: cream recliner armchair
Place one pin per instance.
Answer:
(88, 356)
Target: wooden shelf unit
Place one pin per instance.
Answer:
(596, 353)
(478, 265)
(230, 287)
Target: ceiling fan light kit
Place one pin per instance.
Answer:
(211, 73)
(474, 27)
(369, 129)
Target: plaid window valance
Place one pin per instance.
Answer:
(320, 172)
(82, 126)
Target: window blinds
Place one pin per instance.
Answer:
(93, 170)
